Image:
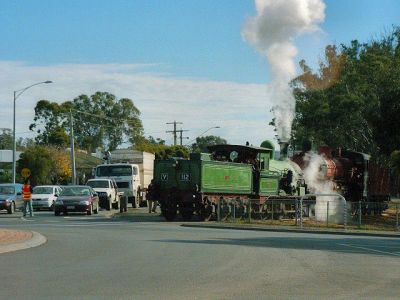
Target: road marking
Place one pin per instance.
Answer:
(369, 249)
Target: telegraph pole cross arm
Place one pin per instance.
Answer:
(182, 137)
(174, 131)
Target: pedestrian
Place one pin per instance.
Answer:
(152, 197)
(27, 194)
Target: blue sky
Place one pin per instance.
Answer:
(194, 46)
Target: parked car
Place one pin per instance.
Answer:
(11, 197)
(77, 198)
(107, 190)
(44, 196)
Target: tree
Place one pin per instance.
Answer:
(24, 143)
(61, 166)
(352, 101)
(48, 165)
(50, 122)
(202, 143)
(100, 120)
(162, 151)
(156, 141)
(6, 139)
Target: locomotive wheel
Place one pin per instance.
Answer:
(187, 214)
(186, 210)
(170, 214)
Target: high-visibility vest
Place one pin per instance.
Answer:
(26, 191)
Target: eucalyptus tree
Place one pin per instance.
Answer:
(100, 120)
(352, 101)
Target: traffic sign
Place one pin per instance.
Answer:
(25, 172)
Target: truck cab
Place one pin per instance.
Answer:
(126, 177)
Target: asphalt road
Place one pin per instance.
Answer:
(95, 257)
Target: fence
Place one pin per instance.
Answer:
(325, 210)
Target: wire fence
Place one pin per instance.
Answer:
(324, 211)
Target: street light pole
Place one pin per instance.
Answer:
(214, 127)
(16, 95)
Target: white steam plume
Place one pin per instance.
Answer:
(314, 176)
(272, 31)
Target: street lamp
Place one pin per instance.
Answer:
(16, 95)
(202, 134)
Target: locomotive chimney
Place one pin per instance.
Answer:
(283, 144)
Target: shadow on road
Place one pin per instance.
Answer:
(141, 215)
(381, 247)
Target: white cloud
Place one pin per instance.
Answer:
(241, 110)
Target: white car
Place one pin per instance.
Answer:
(44, 196)
(107, 190)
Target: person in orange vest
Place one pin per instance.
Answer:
(27, 193)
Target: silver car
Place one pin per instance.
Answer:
(11, 197)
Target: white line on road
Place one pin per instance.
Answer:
(369, 249)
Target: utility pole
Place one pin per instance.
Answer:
(174, 131)
(182, 137)
(71, 137)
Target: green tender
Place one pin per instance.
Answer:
(204, 176)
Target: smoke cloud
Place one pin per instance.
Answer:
(272, 32)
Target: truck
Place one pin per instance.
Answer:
(132, 171)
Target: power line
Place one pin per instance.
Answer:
(103, 117)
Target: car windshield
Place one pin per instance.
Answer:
(43, 190)
(75, 191)
(118, 170)
(7, 190)
(98, 183)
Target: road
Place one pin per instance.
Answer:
(95, 257)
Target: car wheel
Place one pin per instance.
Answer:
(90, 211)
(115, 205)
(108, 204)
(11, 209)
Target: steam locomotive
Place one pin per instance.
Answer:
(353, 175)
(245, 174)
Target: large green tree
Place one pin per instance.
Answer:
(48, 165)
(353, 99)
(100, 120)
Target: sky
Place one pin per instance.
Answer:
(183, 60)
